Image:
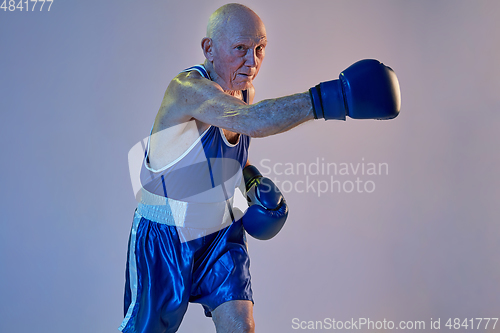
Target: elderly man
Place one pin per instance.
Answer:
(187, 242)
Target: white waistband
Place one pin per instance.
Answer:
(185, 214)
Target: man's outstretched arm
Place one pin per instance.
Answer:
(366, 90)
(204, 100)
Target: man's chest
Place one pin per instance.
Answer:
(231, 137)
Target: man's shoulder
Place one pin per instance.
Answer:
(184, 80)
(190, 84)
(185, 92)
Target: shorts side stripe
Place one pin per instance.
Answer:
(132, 270)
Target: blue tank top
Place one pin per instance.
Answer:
(196, 189)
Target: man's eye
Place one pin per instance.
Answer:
(239, 47)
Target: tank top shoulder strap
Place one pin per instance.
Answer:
(200, 69)
(245, 96)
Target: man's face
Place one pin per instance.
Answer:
(238, 53)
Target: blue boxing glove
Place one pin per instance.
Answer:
(366, 90)
(268, 210)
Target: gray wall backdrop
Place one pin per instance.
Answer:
(80, 86)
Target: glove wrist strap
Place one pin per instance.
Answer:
(332, 100)
(250, 173)
(314, 92)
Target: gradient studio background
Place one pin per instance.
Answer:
(81, 84)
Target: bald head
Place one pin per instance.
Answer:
(232, 17)
(234, 46)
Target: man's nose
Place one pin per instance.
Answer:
(251, 60)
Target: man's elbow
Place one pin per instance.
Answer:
(261, 132)
(256, 134)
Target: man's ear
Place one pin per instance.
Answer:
(207, 47)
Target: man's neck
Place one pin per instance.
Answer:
(215, 78)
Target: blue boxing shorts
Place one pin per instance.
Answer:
(164, 274)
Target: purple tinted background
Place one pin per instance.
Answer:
(81, 84)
